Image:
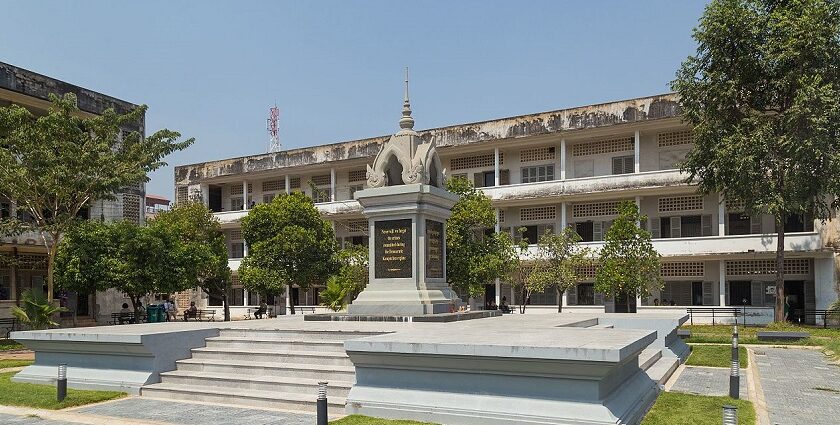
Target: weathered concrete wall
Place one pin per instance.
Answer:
(585, 117)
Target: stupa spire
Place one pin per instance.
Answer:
(406, 122)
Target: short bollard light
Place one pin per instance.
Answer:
(730, 415)
(322, 403)
(61, 384)
(735, 342)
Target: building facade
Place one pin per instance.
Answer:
(27, 265)
(546, 171)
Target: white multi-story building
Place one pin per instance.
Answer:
(23, 263)
(548, 170)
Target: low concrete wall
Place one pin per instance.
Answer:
(117, 358)
(754, 315)
(665, 324)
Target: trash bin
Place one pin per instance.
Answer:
(151, 314)
(161, 314)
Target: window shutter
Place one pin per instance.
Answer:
(504, 177)
(571, 296)
(757, 289)
(755, 225)
(629, 165)
(727, 294)
(706, 224)
(676, 227)
(654, 228)
(618, 165)
(478, 179)
(597, 231)
(708, 295)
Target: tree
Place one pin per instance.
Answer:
(558, 263)
(37, 311)
(132, 259)
(200, 254)
(352, 277)
(475, 256)
(54, 165)
(762, 94)
(288, 244)
(520, 267)
(628, 265)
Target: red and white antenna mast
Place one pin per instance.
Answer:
(273, 132)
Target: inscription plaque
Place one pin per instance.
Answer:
(434, 249)
(393, 249)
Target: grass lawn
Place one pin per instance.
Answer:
(690, 409)
(43, 396)
(715, 356)
(722, 334)
(14, 363)
(365, 420)
(10, 344)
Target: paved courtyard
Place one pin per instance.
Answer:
(708, 381)
(800, 386)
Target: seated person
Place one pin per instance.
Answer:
(261, 311)
(492, 305)
(126, 315)
(191, 312)
(503, 306)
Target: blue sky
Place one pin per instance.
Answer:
(211, 69)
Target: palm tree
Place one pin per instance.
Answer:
(36, 311)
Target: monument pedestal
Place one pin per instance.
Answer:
(407, 242)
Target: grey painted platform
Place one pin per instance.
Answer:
(800, 386)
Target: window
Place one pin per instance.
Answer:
(5, 286)
(236, 204)
(476, 161)
(484, 179)
(237, 249)
(355, 188)
(539, 173)
(253, 298)
(740, 293)
(623, 165)
(591, 231)
(686, 226)
(532, 233)
(690, 226)
(799, 223)
(586, 294)
(5, 209)
(739, 224)
(584, 229)
(268, 197)
(321, 195)
(237, 297)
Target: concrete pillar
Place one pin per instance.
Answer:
(498, 226)
(244, 195)
(287, 184)
(332, 184)
(498, 291)
(722, 283)
(636, 143)
(562, 159)
(496, 170)
(205, 194)
(564, 297)
(563, 219)
(721, 216)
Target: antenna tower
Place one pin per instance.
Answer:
(271, 126)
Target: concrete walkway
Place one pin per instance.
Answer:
(146, 411)
(800, 386)
(713, 381)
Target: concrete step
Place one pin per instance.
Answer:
(246, 343)
(663, 369)
(240, 398)
(273, 384)
(273, 368)
(283, 335)
(648, 357)
(264, 355)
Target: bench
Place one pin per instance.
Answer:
(251, 311)
(201, 315)
(711, 312)
(122, 318)
(684, 333)
(8, 325)
(781, 335)
(802, 315)
(302, 309)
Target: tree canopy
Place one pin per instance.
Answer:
(200, 252)
(352, 277)
(288, 244)
(762, 94)
(475, 255)
(558, 263)
(628, 265)
(136, 260)
(54, 165)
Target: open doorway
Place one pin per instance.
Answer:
(795, 296)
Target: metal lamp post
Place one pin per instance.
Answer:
(61, 383)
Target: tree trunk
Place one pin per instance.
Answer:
(524, 300)
(52, 251)
(225, 306)
(779, 313)
(291, 302)
(559, 301)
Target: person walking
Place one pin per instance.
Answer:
(172, 311)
